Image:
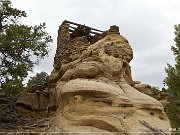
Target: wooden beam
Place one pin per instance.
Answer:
(84, 26)
(92, 32)
(72, 27)
(96, 33)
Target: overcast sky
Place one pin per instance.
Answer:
(147, 24)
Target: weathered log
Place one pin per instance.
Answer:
(153, 129)
(91, 32)
(83, 26)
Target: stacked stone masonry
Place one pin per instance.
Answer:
(68, 48)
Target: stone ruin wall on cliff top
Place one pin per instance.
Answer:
(72, 41)
(91, 88)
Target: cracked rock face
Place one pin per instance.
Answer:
(95, 93)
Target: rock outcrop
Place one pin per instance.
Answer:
(93, 86)
(143, 88)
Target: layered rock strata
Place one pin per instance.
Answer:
(94, 89)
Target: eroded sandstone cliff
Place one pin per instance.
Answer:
(91, 86)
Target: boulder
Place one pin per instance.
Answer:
(37, 101)
(143, 88)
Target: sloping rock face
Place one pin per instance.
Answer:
(94, 88)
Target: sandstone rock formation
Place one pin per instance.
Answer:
(143, 88)
(93, 86)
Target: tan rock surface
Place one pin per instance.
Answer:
(37, 101)
(93, 86)
(143, 88)
(95, 93)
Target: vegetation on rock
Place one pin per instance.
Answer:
(21, 47)
(173, 82)
(38, 79)
(155, 91)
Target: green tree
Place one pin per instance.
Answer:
(21, 47)
(155, 90)
(38, 79)
(173, 82)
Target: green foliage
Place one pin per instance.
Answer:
(173, 112)
(13, 87)
(21, 47)
(39, 78)
(173, 82)
(155, 90)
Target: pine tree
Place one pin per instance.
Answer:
(38, 79)
(173, 82)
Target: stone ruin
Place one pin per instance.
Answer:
(72, 41)
(91, 89)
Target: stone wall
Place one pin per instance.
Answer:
(68, 49)
(73, 41)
